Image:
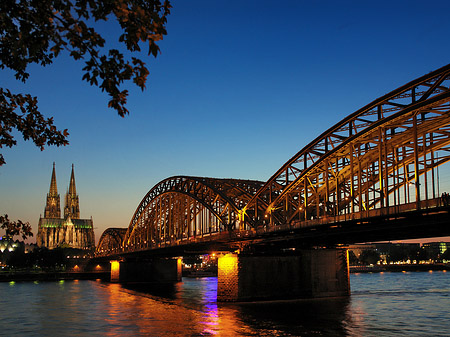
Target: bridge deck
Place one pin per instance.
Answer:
(389, 223)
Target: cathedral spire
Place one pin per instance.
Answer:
(52, 207)
(53, 186)
(72, 188)
(72, 208)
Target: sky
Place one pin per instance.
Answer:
(238, 89)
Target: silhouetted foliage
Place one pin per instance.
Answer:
(13, 228)
(41, 257)
(38, 31)
(422, 254)
(399, 253)
(369, 256)
(18, 259)
(446, 255)
(352, 258)
(51, 258)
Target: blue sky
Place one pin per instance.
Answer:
(238, 89)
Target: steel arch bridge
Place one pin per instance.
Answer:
(382, 158)
(184, 208)
(368, 160)
(111, 240)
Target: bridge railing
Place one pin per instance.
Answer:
(391, 210)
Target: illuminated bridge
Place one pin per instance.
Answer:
(373, 176)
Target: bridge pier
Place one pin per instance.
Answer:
(157, 270)
(305, 274)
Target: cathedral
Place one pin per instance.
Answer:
(68, 231)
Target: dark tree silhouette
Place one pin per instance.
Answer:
(39, 31)
(421, 254)
(369, 256)
(14, 228)
(352, 258)
(446, 255)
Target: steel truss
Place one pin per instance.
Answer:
(184, 208)
(383, 155)
(382, 158)
(111, 241)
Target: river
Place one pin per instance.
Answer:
(381, 304)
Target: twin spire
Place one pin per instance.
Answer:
(72, 188)
(53, 208)
(53, 186)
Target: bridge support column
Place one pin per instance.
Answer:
(154, 270)
(115, 271)
(307, 274)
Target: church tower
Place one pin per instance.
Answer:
(53, 207)
(72, 208)
(70, 231)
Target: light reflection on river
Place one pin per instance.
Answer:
(386, 304)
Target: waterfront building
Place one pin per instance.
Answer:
(436, 249)
(7, 244)
(68, 231)
(357, 249)
(7, 247)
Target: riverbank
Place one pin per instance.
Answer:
(400, 268)
(24, 276)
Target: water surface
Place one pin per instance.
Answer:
(384, 304)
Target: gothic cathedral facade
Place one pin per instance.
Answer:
(70, 230)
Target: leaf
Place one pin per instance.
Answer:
(36, 32)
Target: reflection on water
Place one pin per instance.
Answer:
(381, 304)
(284, 318)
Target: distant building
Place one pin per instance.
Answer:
(387, 247)
(69, 231)
(436, 249)
(9, 245)
(399, 251)
(29, 247)
(357, 249)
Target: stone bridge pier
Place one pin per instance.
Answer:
(155, 270)
(302, 274)
(313, 273)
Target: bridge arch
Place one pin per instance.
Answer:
(371, 159)
(383, 156)
(181, 208)
(110, 241)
